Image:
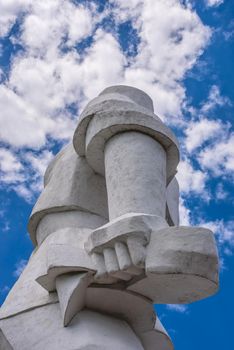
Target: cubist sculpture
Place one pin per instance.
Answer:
(107, 238)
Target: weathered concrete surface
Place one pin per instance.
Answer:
(71, 289)
(62, 251)
(113, 112)
(181, 266)
(42, 329)
(70, 219)
(27, 294)
(111, 324)
(70, 184)
(122, 228)
(4, 344)
(135, 171)
(172, 203)
(136, 310)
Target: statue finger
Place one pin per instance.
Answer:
(100, 264)
(137, 250)
(123, 256)
(112, 265)
(125, 261)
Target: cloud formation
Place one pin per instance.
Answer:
(50, 74)
(222, 164)
(19, 267)
(213, 3)
(190, 180)
(178, 308)
(53, 75)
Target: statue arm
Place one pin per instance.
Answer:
(132, 149)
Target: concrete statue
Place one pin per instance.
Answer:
(108, 244)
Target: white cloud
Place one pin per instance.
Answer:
(178, 308)
(184, 213)
(23, 191)
(20, 125)
(205, 129)
(39, 162)
(52, 19)
(45, 79)
(10, 167)
(50, 75)
(190, 180)
(220, 192)
(34, 101)
(35, 166)
(19, 267)
(214, 99)
(44, 88)
(213, 3)
(172, 38)
(25, 120)
(57, 21)
(9, 10)
(224, 233)
(23, 172)
(127, 10)
(201, 131)
(96, 71)
(219, 158)
(80, 24)
(8, 162)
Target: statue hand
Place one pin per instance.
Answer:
(122, 259)
(119, 247)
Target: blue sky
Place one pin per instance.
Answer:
(56, 55)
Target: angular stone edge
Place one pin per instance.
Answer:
(4, 343)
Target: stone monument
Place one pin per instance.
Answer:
(107, 238)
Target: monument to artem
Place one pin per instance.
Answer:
(108, 244)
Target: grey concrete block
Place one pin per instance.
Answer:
(4, 344)
(70, 184)
(181, 266)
